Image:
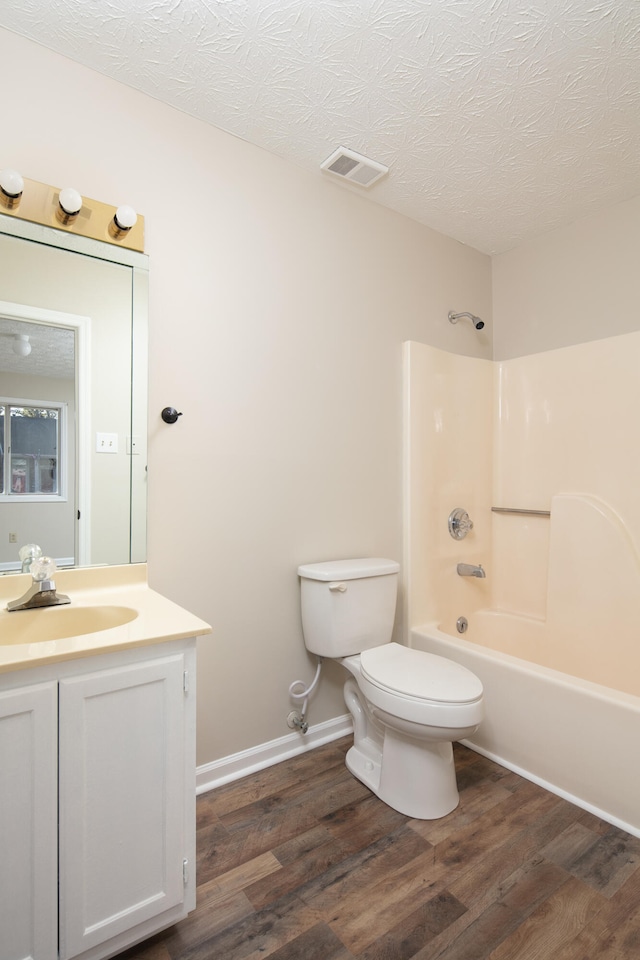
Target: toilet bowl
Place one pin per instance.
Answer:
(407, 706)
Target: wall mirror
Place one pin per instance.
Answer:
(73, 397)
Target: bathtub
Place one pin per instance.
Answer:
(573, 736)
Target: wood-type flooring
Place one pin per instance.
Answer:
(301, 862)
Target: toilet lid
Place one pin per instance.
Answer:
(414, 673)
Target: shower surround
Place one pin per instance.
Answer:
(555, 626)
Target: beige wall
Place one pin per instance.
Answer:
(576, 284)
(279, 303)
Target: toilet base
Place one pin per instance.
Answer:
(411, 768)
(416, 778)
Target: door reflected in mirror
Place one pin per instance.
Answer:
(73, 418)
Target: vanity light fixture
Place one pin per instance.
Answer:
(69, 206)
(11, 187)
(125, 218)
(67, 210)
(21, 345)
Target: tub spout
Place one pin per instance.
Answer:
(470, 570)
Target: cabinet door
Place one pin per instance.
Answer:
(122, 797)
(28, 823)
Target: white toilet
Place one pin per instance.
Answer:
(407, 706)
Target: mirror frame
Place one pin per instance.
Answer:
(12, 226)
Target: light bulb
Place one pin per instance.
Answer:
(125, 217)
(21, 345)
(70, 201)
(69, 206)
(11, 187)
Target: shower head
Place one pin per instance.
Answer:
(476, 321)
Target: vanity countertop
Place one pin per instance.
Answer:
(151, 618)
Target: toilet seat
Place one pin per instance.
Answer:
(420, 687)
(415, 673)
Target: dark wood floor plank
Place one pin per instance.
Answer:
(477, 800)
(567, 848)
(555, 922)
(149, 950)
(207, 921)
(333, 789)
(257, 935)
(360, 870)
(262, 825)
(472, 768)
(302, 844)
(366, 912)
(241, 877)
(360, 824)
(605, 932)
(483, 878)
(603, 860)
(484, 834)
(480, 931)
(282, 780)
(416, 930)
(624, 943)
(318, 943)
(297, 873)
(609, 862)
(275, 779)
(199, 927)
(301, 862)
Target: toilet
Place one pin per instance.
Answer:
(408, 706)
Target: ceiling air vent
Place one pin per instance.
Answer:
(352, 166)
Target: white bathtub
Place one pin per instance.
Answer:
(573, 736)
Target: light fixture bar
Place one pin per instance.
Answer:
(51, 207)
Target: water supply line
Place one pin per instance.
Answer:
(299, 721)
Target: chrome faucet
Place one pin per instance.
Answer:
(42, 592)
(470, 570)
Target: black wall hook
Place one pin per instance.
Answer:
(170, 414)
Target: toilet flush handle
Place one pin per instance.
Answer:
(338, 587)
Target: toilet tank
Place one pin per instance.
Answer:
(348, 605)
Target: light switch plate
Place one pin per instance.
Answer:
(106, 442)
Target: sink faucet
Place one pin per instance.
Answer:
(27, 554)
(470, 570)
(42, 592)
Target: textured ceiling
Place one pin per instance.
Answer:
(499, 119)
(52, 350)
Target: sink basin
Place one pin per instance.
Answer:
(56, 623)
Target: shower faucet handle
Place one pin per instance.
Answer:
(459, 523)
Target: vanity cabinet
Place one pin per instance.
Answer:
(97, 760)
(28, 821)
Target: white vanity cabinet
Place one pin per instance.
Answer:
(97, 803)
(29, 821)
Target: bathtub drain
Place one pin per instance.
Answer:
(461, 624)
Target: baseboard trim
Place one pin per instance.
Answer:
(553, 788)
(215, 774)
